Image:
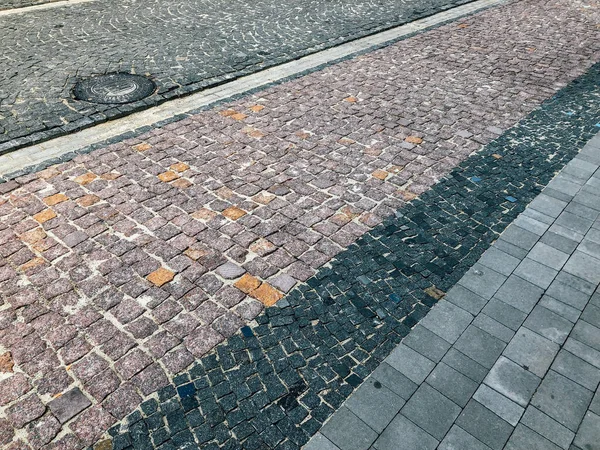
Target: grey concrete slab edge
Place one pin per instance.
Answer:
(510, 358)
(32, 158)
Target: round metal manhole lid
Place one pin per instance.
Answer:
(114, 88)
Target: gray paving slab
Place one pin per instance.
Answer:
(500, 405)
(562, 399)
(536, 273)
(447, 320)
(410, 363)
(591, 314)
(484, 425)
(525, 438)
(374, 404)
(506, 314)
(427, 343)
(548, 324)
(482, 280)
(576, 369)
(459, 439)
(513, 381)
(348, 432)
(585, 352)
(465, 299)
(584, 266)
(519, 293)
(559, 242)
(394, 380)
(531, 351)
(450, 382)
(499, 261)
(562, 309)
(493, 327)
(588, 436)
(548, 255)
(587, 334)
(520, 237)
(480, 346)
(547, 427)
(320, 442)
(465, 365)
(431, 411)
(402, 434)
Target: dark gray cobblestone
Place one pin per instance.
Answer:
(184, 46)
(12, 4)
(275, 383)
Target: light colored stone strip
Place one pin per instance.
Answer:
(35, 8)
(36, 154)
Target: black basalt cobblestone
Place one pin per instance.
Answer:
(272, 385)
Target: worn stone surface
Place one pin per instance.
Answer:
(305, 185)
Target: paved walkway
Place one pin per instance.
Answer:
(137, 280)
(511, 357)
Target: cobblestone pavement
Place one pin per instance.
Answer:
(511, 358)
(184, 45)
(11, 4)
(125, 267)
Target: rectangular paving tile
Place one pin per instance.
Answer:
(482, 281)
(374, 404)
(525, 438)
(465, 299)
(547, 427)
(459, 439)
(531, 351)
(484, 425)
(402, 434)
(576, 369)
(450, 382)
(504, 313)
(562, 399)
(348, 432)
(519, 293)
(431, 411)
(426, 343)
(536, 273)
(548, 324)
(320, 442)
(562, 309)
(513, 381)
(500, 405)
(480, 346)
(447, 321)
(588, 435)
(465, 365)
(587, 333)
(499, 261)
(394, 380)
(548, 255)
(584, 266)
(410, 363)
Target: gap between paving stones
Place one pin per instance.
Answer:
(274, 385)
(42, 154)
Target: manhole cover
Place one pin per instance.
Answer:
(114, 88)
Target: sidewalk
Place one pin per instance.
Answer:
(511, 357)
(228, 280)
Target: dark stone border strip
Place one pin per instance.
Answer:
(273, 385)
(183, 91)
